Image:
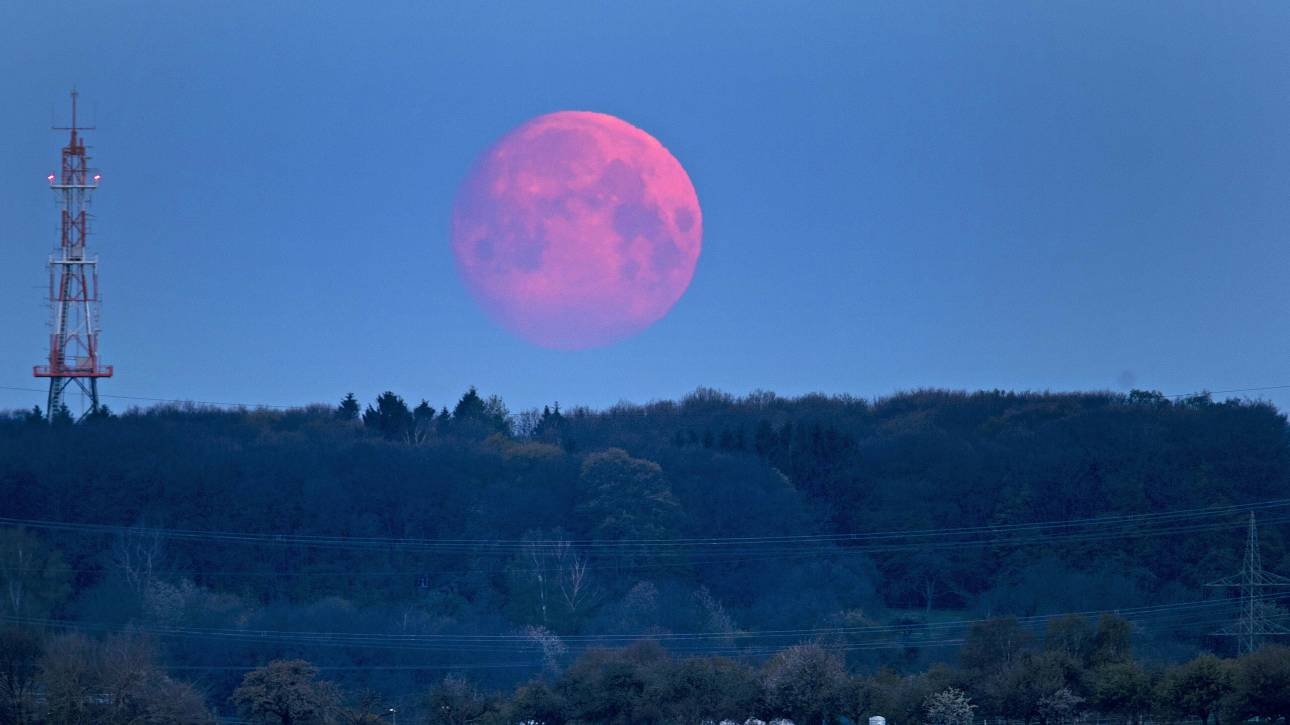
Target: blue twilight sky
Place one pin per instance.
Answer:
(896, 195)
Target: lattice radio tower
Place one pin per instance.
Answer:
(1252, 623)
(74, 286)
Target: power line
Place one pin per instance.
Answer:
(1253, 622)
(454, 545)
(1229, 390)
(179, 400)
(713, 642)
(363, 668)
(1147, 612)
(279, 406)
(646, 559)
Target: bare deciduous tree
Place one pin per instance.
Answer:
(19, 654)
(561, 577)
(574, 585)
(138, 554)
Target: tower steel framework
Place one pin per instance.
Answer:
(73, 287)
(1252, 622)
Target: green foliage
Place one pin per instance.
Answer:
(551, 426)
(286, 692)
(617, 687)
(1112, 641)
(477, 418)
(627, 498)
(1071, 635)
(535, 703)
(1122, 688)
(804, 683)
(423, 413)
(470, 406)
(1022, 685)
(1262, 684)
(349, 408)
(704, 689)
(1195, 689)
(118, 681)
(98, 414)
(34, 580)
(707, 466)
(1147, 397)
(390, 417)
(995, 644)
(62, 416)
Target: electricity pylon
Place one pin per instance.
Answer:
(1252, 623)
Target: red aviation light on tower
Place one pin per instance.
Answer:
(73, 288)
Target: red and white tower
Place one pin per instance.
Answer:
(74, 288)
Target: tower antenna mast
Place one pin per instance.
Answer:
(73, 286)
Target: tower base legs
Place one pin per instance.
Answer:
(56, 404)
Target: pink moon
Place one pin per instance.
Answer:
(577, 229)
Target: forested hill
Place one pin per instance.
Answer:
(712, 514)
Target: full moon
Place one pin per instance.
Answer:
(576, 230)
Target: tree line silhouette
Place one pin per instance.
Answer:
(1079, 670)
(561, 529)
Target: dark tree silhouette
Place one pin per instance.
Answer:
(349, 408)
(390, 417)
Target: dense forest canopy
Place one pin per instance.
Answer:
(385, 542)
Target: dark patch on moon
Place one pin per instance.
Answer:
(684, 219)
(665, 255)
(635, 219)
(622, 181)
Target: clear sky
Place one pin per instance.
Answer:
(968, 195)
